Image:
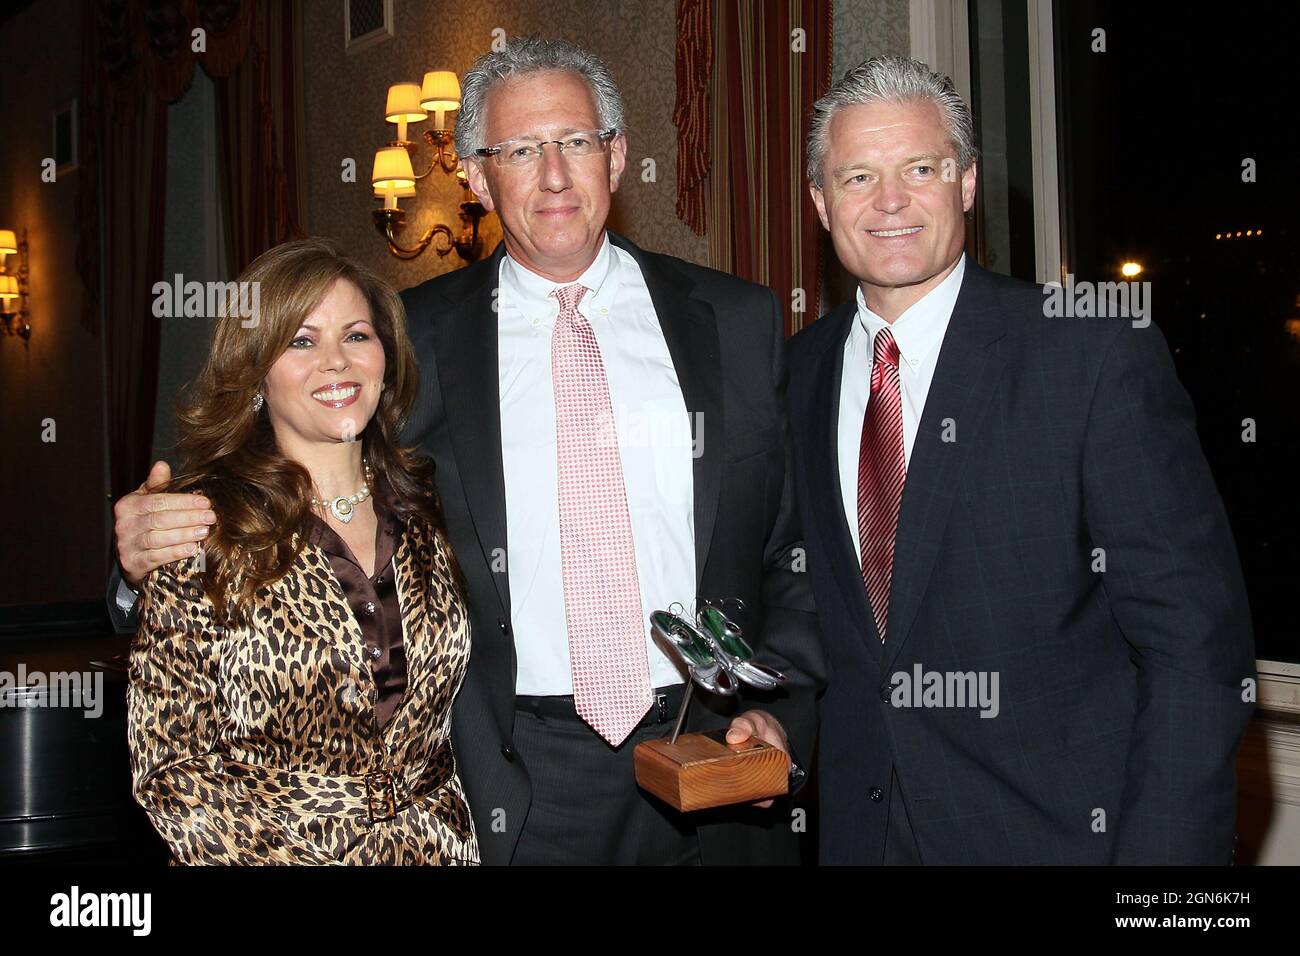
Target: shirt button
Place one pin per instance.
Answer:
(369, 608)
(375, 653)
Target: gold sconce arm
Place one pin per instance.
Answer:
(468, 245)
(445, 157)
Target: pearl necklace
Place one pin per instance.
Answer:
(344, 508)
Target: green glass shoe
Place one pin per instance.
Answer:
(725, 632)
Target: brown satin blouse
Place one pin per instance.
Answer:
(373, 601)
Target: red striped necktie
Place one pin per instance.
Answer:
(882, 471)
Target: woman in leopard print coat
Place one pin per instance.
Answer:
(292, 682)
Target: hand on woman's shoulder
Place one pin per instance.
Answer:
(175, 586)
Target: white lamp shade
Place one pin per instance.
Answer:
(440, 91)
(8, 241)
(392, 169)
(8, 287)
(403, 192)
(404, 103)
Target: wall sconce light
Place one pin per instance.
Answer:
(14, 291)
(403, 108)
(440, 94)
(394, 176)
(393, 179)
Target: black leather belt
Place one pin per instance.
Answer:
(667, 701)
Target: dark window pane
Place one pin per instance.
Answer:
(1154, 134)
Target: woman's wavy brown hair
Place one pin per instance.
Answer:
(228, 450)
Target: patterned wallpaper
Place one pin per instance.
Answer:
(344, 98)
(865, 28)
(344, 101)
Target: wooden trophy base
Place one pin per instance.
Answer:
(700, 771)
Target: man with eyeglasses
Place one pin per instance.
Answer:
(610, 437)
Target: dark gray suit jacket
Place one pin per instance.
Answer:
(1121, 691)
(726, 340)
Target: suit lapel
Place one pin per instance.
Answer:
(691, 331)
(467, 356)
(967, 373)
(826, 491)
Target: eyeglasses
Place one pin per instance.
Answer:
(525, 152)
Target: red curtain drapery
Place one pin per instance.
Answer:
(691, 112)
(258, 130)
(765, 63)
(138, 56)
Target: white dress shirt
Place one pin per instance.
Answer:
(654, 441)
(919, 333)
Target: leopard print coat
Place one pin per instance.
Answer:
(260, 745)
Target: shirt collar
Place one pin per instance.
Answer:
(534, 291)
(920, 329)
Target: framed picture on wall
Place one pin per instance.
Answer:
(366, 22)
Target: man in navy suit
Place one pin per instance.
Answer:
(1038, 643)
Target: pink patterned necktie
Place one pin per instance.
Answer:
(602, 597)
(882, 471)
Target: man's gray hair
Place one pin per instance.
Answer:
(891, 79)
(532, 54)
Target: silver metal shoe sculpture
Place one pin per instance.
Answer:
(714, 651)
